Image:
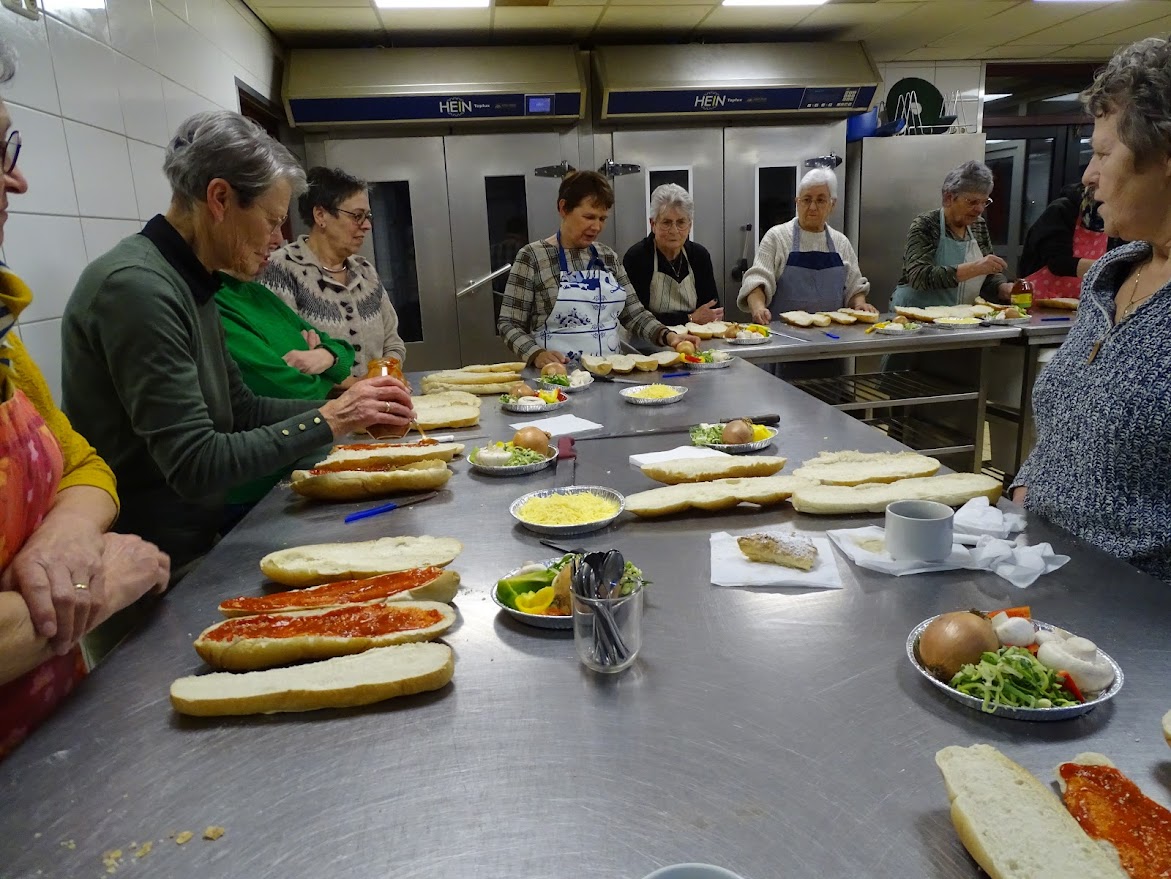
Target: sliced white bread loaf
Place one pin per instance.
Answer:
(398, 586)
(327, 562)
(645, 364)
(857, 468)
(866, 317)
(820, 319)
(720, 494)
(360, 456)
(707, 469)
(483, 389)
(596, 365)
(953, 489)
(512, 366)
(356, 485)
(797, 318)
(840, 317)
(1013, 825)
(344, 682)
(704, 331)
(471, 379)
(667, 358)
(453, 408)
(623, 364)
(267, 640)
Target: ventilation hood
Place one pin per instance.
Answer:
(338, 87)
(747, 81)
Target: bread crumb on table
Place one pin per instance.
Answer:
(184, 837)
(143, 850)
(112, 860)
(213, 833)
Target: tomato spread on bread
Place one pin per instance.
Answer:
(329, 594)
(351, 621)
(1111, 807)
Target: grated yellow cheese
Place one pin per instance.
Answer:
(567, 509)
(655, 392)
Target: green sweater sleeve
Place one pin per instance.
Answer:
(163, 365)
(265, 371)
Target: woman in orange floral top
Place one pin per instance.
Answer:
(60, 573)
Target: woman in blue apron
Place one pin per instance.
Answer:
(804, 265)
(568, 295)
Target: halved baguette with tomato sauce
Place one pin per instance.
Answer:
(326, 562)
(418, 584)
(266, 640)
(344, 682)
(357, 485)
(377, 456)
(1013, 825)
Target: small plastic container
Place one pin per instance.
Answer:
(376, 368)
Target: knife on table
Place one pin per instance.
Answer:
(771, 420)
(386, 508)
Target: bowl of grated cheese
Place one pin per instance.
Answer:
(653, 395)
(566, 512)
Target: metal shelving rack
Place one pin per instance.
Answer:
(874, 394)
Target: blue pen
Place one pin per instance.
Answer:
(831, 335)
(386, 508)
(1051, 319)
(675, 374)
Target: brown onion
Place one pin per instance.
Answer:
(953, 640)
(532, 438)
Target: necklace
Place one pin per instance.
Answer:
(340, 268)
(1132, 303)
(676, 266)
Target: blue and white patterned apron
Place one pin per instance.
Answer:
(585, 318)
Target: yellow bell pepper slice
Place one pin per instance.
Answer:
(535, 602)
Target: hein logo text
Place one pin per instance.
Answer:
(710, 101)
(455, 106)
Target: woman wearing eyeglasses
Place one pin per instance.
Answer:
(322, 278)
(804, 265)
(948, 259)
(670, 273)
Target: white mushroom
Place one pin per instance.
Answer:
(1013, 631)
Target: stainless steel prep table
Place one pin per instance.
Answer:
(778, 733)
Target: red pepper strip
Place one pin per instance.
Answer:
(1068, 684)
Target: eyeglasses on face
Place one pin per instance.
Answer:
(673, 224)
(358, 217)
(975, 201)
(821, 201)
(9, 151)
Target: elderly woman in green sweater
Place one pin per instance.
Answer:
(146, 375)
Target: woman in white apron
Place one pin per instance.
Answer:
(672, 275)
(568, 295)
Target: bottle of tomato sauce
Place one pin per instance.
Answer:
(392, 367)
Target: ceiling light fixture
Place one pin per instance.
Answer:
(431, 4)
(773, 2)
(995, 97)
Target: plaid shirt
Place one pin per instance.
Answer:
(532, 288)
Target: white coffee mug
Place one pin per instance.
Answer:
(919, 531)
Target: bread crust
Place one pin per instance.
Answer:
(345, 457)
(317, 563)
(356, 485)
(442, 588)
(448, 408)
(953, 489)
(859, 468)
(362, 681)
(709, 469)
(719, 494)
(251, 654)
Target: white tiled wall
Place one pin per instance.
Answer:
(950, 77)
(97, 95)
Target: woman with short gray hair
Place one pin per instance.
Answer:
(948, 259)
(671, 273)
(146, 375)
(1100, 468)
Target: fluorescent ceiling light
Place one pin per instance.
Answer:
(431, 4)
(995, 97)
(1072, 96)
(773, 2)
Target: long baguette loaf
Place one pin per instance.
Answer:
(1012, 825)
(374, 456)
(459, 377)
(267, 640)
(857, 468)
(356, 485)
(511, 366)
(344, 682)
(484, 389)
(419, 584)
(953, 489)
(707, 469)
(720, 494)
(327, 562)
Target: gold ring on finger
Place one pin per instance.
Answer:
(80, 585)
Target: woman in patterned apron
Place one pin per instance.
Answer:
(59, 575)
(804, 265)
(1063, 243)
(949, 258)
(671, 273)
(568, 294)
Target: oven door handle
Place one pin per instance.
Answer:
(491, 276)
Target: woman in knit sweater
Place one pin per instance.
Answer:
(321, 277)
(1103, 405)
